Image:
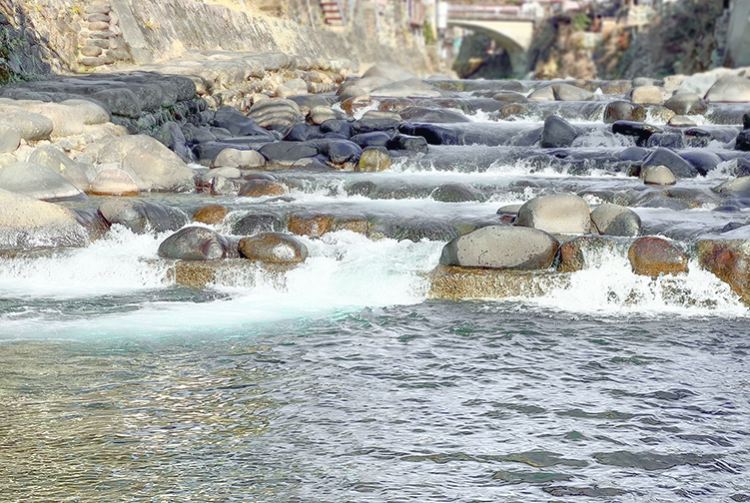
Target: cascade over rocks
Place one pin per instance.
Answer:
(557, 133)
(650, 256)
(273, 248)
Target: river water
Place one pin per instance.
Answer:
(342, 381)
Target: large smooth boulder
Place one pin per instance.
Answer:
(374, 159)
(730, 89)
(286, 153)
(240, 159)
(456, 193)
(39, 182)
(256, 223)
(195, 243)
(235, 122)
(66, 120)
(557, 133)
(156, 167)
(556, 214)
(211, 214)
(33, 126)
(79, 173)
(27, 223)
(142, 217)
(641, 131)
(624, 111)
(389, 71)
(615, 220)
(651, 256)
(647, 95)
(729, 261)
(278, 114)
(10, 137)
(113, 182)
(569, 92)
(502, 247)
(687, 104)
(340, 152)
(433, 115)
(91, 112)
(120, 101)
(273, 248)
(171, 136)
(583, 252)
(657, 175)
(676, 164)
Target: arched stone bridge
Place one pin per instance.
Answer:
(506, 25)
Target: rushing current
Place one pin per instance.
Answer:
(340, 380)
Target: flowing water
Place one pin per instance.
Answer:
(341, 381)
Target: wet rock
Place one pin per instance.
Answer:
(576, 253)
(155, 166)
(257, 223)
(624, 111)
(515, 110)
(730, 89)
(240, 159)
(502, 247)
(432, 115)
(10, 137)
(729, 261)
(418, 229)
(567, 92)
(616, 220)
(698, 84)
(739, 186)
(545, 93)
(171, 136)
(557, 133)
(615, 86)
(366, 125)
(464, 283)
(672, 141)
(681, 121)
(657, 175)
(238, 124)
(743, 141)
(456, 193)
(409, 88)
(273, 248)
(278, 114)
(195, 243)
(27, 223)
(341, 127)
(509, 97)
(341, 151)
(409, 143)
(687, 104)
(374, 139)
(556, 214)
(37, 181)
(651, 256)
(314, 226)
(647, 95)
(260, 188)
(642, 132)
(374, 159)
(142, 217)
(389, 71)
(676, 164)
(636, 154)
(120, 101)
(287, 153)
(113, 182)
(211, 214)
(703, 161)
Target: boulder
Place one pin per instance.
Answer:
(456, 193)
(321, 114)
(576, 253)
(33, 127)
(286, 153)
(729, 261)
(464, 283)
(657, 175)
(312, 225)
(624, 111)
(195, 243)
(743, 141)
(681, 121)
(241, 159)
(273, 248)
(509, 97)
(389, 71)
(701, 159)
(676, 164)
(37, 181)
(10, 137)
(672, 141)
(651, 256)
(113, 182)
(647, 95)
(698, 84)
(91, 112)
(278, 114)
(341, 151)
(66, 121)
(171, 136)
(556, 214)
(256, 223)
(641, 131)
(615, 86)
(142, 217)
(27, 223)
(235, 122)
(502, 247)
(409, 143)
(615, 220)
(557, 133)
(568, 92)
(155, 166)
(374, 139)
(120, 101)
(211, 214)
(409, 88)
(432, 115)
(545, 93)
(374, 159)
(79, 173)
(730, 89)
(687, 104)
(260, 188)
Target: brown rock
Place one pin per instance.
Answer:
(273, 248)
(615, 86)
(228, 272)
(395, 104)
(653, 257)
(730, 262)
(458, 283)
(99, 26)
(352, 105)
(573, 252)
(113, 182)
(91, 51)
(211, 214)
(310, 225)
(514, 110)
(259, 188)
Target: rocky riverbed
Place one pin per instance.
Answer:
(240, 161)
